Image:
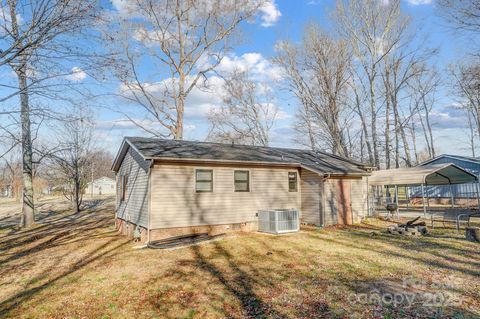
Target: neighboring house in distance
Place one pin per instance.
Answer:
(101, 186)
(470, 164)
(170, 187)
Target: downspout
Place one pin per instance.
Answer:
(324, 179)
(149, 227)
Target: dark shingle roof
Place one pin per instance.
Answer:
(155, 148)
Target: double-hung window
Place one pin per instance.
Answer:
(292, 182)
(203, 180)
(242, 181)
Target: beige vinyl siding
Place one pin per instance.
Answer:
(311, 185)
(359, 199)
(174, 202)
(330, 202)
(135, 207)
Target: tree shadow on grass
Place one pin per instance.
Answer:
(244, 280)
(410, 250)
(12, 302)
(241, 286)
(24, 250)
(53, 230)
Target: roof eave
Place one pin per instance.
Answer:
(288, 164)
(122, 152)
(219, 161)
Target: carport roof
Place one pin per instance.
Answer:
(438, 174)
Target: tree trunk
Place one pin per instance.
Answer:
(471, 134)
(425, 135)
(311, 137)
(365, 130)
(373, 109)
(28, 208)
(397, 140)
(429, 127)
(387, 117)
(414, 141)
(387, 134)
(76, 197)
(406, 147)
(179, 126)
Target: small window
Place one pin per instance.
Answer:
(292, 182)
(203, 180)
(242, 181)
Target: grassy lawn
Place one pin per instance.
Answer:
(76, 266)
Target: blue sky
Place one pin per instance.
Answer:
(288, 22)
(285, 19)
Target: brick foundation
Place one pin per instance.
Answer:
(127, 228)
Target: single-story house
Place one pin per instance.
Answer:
(101, 186)
(171, 187)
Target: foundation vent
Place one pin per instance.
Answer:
(278, 221)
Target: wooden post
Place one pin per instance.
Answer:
(396, 201)
(423, 201)
(407, 194)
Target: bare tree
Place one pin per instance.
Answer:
(185, 40)
(467, 88)
(12, 174)
(373, 29)
(29, 30)
(424, 87)
(317, 74)
(72, 162)
(471, 131)
(101, 164)
(463, 14)
(403, 65)
(248, 113)
(464, 17)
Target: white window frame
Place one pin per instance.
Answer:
(249, 180)
(212, 189)
(296, 182)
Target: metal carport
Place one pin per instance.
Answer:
(439, 174)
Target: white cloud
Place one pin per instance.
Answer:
(124, 7)
(269, 14)
(258, 67)
(448, 117)
(209, 93)
(419, 2)
(77, 75)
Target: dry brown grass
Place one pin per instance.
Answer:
(78, 267)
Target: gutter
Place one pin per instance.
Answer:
(149, 213)
(249, 163)
(220, 161)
